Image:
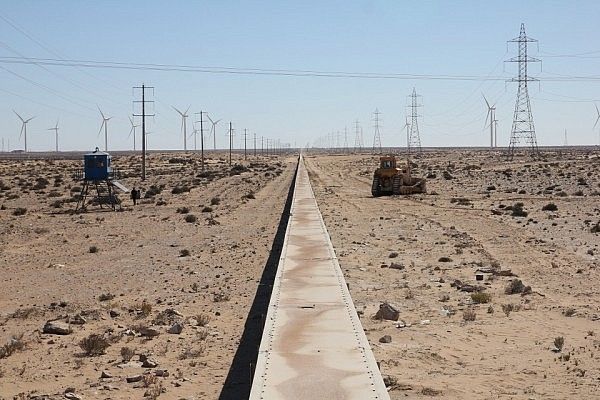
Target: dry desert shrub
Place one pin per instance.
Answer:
(550, 207)
(469, 315)
(127, 353)
(190, 218)
(183, 210)
(19, 211)
(94, 345)
(202, 319)
(220, 297)
(184, 253)
(515, 286)
(559, 342)
(215, 201)
(192, 353)
(481, 297)
(14, 344)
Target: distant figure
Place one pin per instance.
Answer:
(135, 194)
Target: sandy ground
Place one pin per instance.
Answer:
(410, 251)
(414, 252)
(139, 282)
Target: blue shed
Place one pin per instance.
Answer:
(96, 166)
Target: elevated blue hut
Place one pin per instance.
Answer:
(96, 166)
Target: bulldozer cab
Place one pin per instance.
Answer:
(387, 162)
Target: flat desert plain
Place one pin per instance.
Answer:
(187, 259)
(494, 273)
(458, 337)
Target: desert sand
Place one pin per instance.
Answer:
(416, 252)
(132, 277)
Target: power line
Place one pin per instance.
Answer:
(271, 72)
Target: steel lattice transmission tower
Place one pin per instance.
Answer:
(414, 138)
(377, 136)
(358, 142)
(522, 126)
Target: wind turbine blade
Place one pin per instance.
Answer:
(217, 121)
(101, 113)
(101, 126)
(486, 102)
(186, 111)
(485, 124)
(130, 131)
(22, 120)
(598, 118)
(22, 129)
(131, 120)
(179, 112)
(28, 120)
(210, 119)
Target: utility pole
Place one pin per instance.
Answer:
(522, 126)
(377, 136)
(245, 135)
(201, 139)
(345, 139)
(144, 115)
(254, 144)
(230, 141)
(262, 145)
(414, 138)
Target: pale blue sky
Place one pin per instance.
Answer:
(390, 37)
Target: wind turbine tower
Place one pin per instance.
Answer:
(414, 138)
(596, 123)
(55, 129)
(24, 128)
(491, 115)
(105, 126)
(213, 129)
(132, 131)
(184, 116)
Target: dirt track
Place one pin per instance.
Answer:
(464, 218)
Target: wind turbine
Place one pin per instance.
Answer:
(596, 123)
(213, 130)
(491, 114)
(24, 128)
(105, 126)
(406, 126)
(55, 129)
(184, 116)
(132, 130)
(195, 135)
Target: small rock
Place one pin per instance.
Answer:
(425, 322)
(57, 328)
(105, 375)
(77, 320)
(148, 332)
(150, 363)
(176, 328)
(396, 266)
(385, 339)
(161, 372)
(114, 314)
(134, 378)
(388, 312)
(72, 396)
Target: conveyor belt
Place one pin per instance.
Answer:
(313, 345)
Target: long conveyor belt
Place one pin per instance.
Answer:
(313, 345)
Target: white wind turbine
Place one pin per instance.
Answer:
(491, 115)
(105, 126)
(406, 126)
(24, 128)
(132, 131)
(55, 129)
(213, 130)
(184, 116)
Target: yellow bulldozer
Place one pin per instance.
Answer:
(388, 179)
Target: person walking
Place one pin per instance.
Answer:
(134, 195)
